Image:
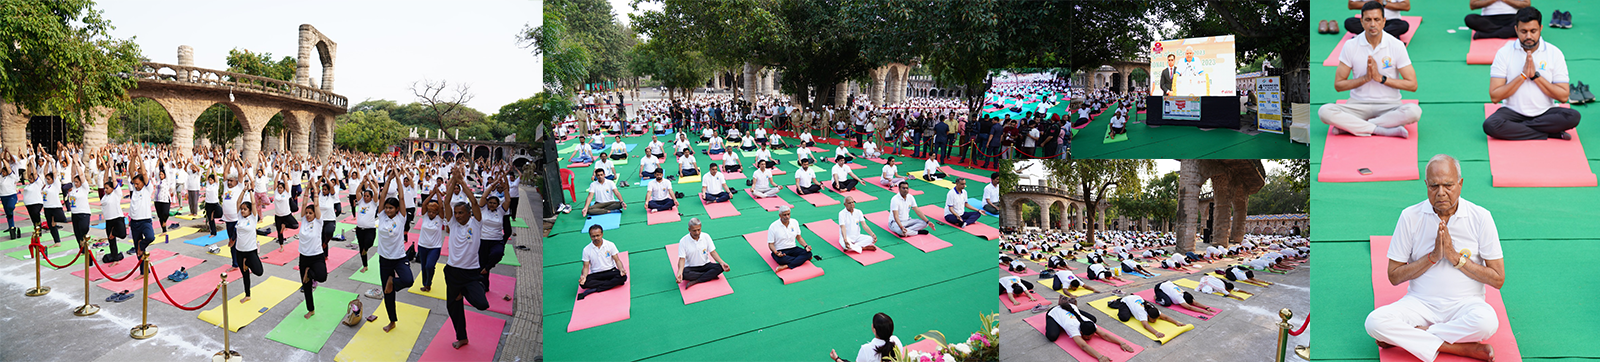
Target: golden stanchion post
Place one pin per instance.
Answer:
(87, 309)
(145, 330)
(227, 354)
(1283, 337)
(38, 283)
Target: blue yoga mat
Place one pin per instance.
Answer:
(208, 240)
(606, 221)
(978, 204)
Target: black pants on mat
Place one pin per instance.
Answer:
(1395, 27)
(163, 210)
(364, 238)
(400, 272)
(465, 284)
(249, 262)
(213, 210)
(490, 252)
(703, 273)
(1507, 124)
(792, 257)
(598, 281)
(313, 269)
(1492, 26)
(56, 218)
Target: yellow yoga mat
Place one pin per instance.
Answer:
(1191, 284)
(438, 278)
(1050, 283)
(174, 234)
(1167, 328)
(371, 343)
(266, 294)
(940, 182)
(227, 252)
(187, 217)
(689, 179)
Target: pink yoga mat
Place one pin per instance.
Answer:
(198, 285)
(337, 256)
(928, 346)
(604, 307)
(1023, 303)
(579, 165)
(927, 243)
(284, 254)
(733, 175)
(500, 286)
(1481, 51)
(716, 157)
(662, 217)
(817, 149)
(879, 160)
(160, 270)
(1150, 296)
(1389, 158)
(721, 209)
(828, 230)
(1504, 342)
(1085, 276)
(816, 199)
(1333, 58)
(980, 229)
(758, 241)
(128, 263)
(1026, 272)
(857, 194)
(1547, 163)
(874, 181)
(1183, 270)
(701, 291)
(482, 330)
(770, 203)
(1107, 348)
(953, 172)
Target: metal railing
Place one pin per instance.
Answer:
(171, 73)
(1042, 190)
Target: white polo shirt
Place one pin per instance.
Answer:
(1548, 61)
(956, 199)
(840, 172)
(901, 207)
(1471, 228)
(659, 190)
(598, 257)
(929, 167)
(991, 194)
(1066, 319)
(782, 236)
(1498, 8)
(804, 177)
(603, 190)
(850, 222)
(695, 252)
(714, 183)
(1390, 54)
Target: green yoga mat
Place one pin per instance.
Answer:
(27, 237)
(511, 257)
(519, 223)
(1118, 138)
(371, 276)
(311, 334)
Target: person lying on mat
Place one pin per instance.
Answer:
(697, 261)
(930, 171)
(618, 150)
(1448, 248)
(901, 207)
(762, 184)
(1098, 271)
(1096, 257)
(1131, 266)
(1012, 286)
(851, 223)
(1134, 307)
(1066, 318)
(1242, 274)
(1374, 67)
(713, 187)
(1497, 20)
(781, 239)
(1214, 253)
(582, 155)
(1036, 255)
(879, 347)
(1391, 23)
(1210, 284)
(1066, 282)
(1168, 294)
(1265, 262)
(603, 268)
(805, 180)
(844, 178)
(1177, 261)
(956, 206)
(891, 173)
(1530, 75)
(1013, 264)
(603, 193)
(687, 165)
(1059, 261)
(660, 194)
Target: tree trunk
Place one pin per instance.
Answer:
(1089, 223)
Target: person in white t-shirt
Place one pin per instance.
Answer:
(1066, 318)
(465, 283)
(955, 206)
(603, 193)
(1392, 22)
(603, 268)
(245, 254)
(659, 194)
(687, 165)
(991, 196)
(1497, 20)
(901, 207)
(142, 200)
(805, 180)
(116, 223)
(1374, 67)
(1133, 307)
(844, 178)
(884, 343)
(714, 187)
(1167, 294)
(788, 248)
(1213, 285)
(1448, 249)
(763, 185)
(930, 170)
(1530, 75)
(313, 252)
(697, 260)
(851, 223)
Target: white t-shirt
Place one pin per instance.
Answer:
(8, 184)
(139, 208)
(714, 183)
(33, 193)
(869, 351)
(850, 222)
(649, 164)
(324, 207)
(1471, 228)
(695, 252)
(598, 257)
(804, 177)
(310, 237)
(1391, 13)
(929, 167)
(603, 190)
(761, 178)
(1498, 8)
(783, 236)
(492, 223)
(686, 162)
(956, 200)
(1069, 323)
(1210, 284)
(1390, 54)
(432, 235)
(111, 204)
(901, 207)
(991, 194)
(659, 190)
(840, 172)
(1032, 135)
(1136, 306)
(464, 242)
(1548, 61)
(52, 195)
(280, 203)
(246, 227)
(392, 236)
(890, 171)
(212, 189)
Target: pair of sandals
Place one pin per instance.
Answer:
(119, 297)
(1328, 27)
(1580, 93)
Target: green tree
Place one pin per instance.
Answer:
(582, 43)
(372, 132)
(1279, 197)
(528, 114)
(142, 120)
(676, 69)
(1099, 180)
(59, 58)
(218, 123)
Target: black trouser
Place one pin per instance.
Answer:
(703, 273)
(1395, 27)
(490, 252)
(80, 226)
(792, 257)
(814, 188)
(991, 209)
(595, 282)
(51, 214)
(313, 268)
(163, 210)
(1507, 124)
(411, 213)
(1492, 26)
(285, 221)
(397, 274)
(327, 230)
(512, 214)
(1163, 300)
(250, 262)
(364, 237)
(469, 285)
(212, 209)
(115, 228)
(936, 175)
(294, 199)
(846, 185)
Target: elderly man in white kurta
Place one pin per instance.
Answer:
(1449, 249)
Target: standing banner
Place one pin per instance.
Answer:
(1185, 108)
(1269, 105)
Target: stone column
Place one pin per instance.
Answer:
(841, 94)
(750, 81)
(185, 58)
(302, 68)
(327, 76)
(1044, 216)
(324, 126)
(254, 119)
(184, 113)
(876, 91)
(13, 127)
(94, 131)
(297, 127)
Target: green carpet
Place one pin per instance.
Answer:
(1171, 141)
(922, 291)
(311, 334)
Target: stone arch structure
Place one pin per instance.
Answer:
(1232, 183)
(889, 83)
(327, 52)
(1045, 197)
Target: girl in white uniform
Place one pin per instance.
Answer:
(313, 253)
(245, 254)
(883, 343)
(394, 269)
(431, 237)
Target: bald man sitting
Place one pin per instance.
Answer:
(1448, 248)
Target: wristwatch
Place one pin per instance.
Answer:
(1385, 80)
(1461, 261)
(1535, 76)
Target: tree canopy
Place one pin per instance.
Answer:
(59, 58)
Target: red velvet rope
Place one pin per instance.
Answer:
(108, 275)
(175, 301)
(1303, 326)
(38, 250)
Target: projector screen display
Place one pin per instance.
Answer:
(1193, 67)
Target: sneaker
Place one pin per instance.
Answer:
(1588, 96)
(1566, 19)
(1575, 96)
(374, 293)
(1555, 19)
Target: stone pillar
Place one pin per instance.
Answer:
(302, 68)
(841, 92)
(327, 75)
(324, 124)
(1222, 223)
(875, 93)
(185, 58)
(750, 81)
(184, 113)
(1044, 216)
(13, 127)
(272, 142)
(94, 132)
(297, 127)
(254, 119)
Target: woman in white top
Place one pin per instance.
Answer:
(393, 267)
(33, 193)
(282, 215)
(77, 202)
(245, 254)
(366, 209)
(883, 344)
(493, 220)
(213, 203)
(313, 253)
(462, 279)
(326, 201)
(8, 191)
(165, 187)
(116, 224)
(431, 237)
(762, 185)
(52, 197)
(891, 173)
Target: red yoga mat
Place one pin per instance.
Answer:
(770, 203)
(816, 199)
(1504, 342)
(1023, 303)
(499, 286)
(1025, 273)
(160, 270)
(1150, 295)
(953, 172)
(1107, 348)
(980, 229)
(198, 284)
(828, 230)
(482, 330)
(1481, 51)
(1389, 158)
(1333, 58)
(875, 182)
(1546, 163)
(580, 165)
(926, 243)
(721, 209)
(662, 217)
(129, 262)
(604, 307)
(701, 291)
(758, 241)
